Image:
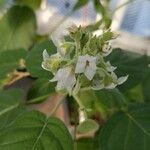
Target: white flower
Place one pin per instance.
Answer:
(65, 79)
(51, 63)
(87, 65)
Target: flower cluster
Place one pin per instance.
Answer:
(82, 63)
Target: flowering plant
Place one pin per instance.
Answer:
(80, 62)
(100, 113)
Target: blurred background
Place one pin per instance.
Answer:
(130, 19)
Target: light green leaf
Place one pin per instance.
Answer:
(127, 130)
(17, 28)
(9, 61)
(87, 98)
(33, 131)
(34, 59)
(87, 126)
(40, 90)
(34, 4)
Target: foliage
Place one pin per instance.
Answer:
(17, 27)
(32, 130)
(128, 127)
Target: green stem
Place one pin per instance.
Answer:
(78, 101)
(81, 106)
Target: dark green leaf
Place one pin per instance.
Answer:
(135, 94)
(127, 130)
(17, 28)
(40, 90)
(85, 144)
(9, 100)
(34, 59)
(146, 87)
(10, 107)
(132, 64)
(33, 131)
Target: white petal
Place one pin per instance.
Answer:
(60, 85)
(45, 55)
(91, 59)
(81, 63)
(122, 79)
(91, 69)
(90, 72)
(70, 82)
(61, 74)
(80, 67)
(45, 65)
(66, 79)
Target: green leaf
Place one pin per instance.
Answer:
(34, 59)
(86, 143)
(9, 61)
(87, 126)
(40, 90)
(127, 130)
(146, 87)
(104, 11)
(34, 4)
(17, 28)
(128, 63)
(10, 107)
(110, 100)
(79, 4)
(104, 101)
(9, 100)
(33, 131)
(135, 94)
(99, 7)
(87, 98)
